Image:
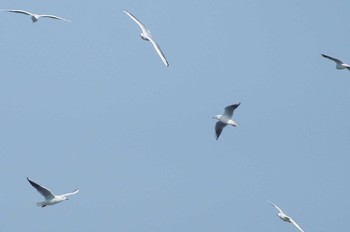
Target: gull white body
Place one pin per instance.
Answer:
(339, 64)
(55, 200)
(342, 66)
(50, 198)
(225, 119)
(146, 35)
(285, 217)
(35, 17)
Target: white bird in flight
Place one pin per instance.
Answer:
(225, 119)
(146, 35)
(285, 217)
(50, 198)
(35, 17)
(340, 65)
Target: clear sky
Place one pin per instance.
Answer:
(90, 105)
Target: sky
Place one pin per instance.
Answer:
(90, 105)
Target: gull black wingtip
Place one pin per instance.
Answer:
(31, 182)
(236, 105)
(325, 56)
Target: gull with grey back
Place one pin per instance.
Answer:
(36, 17)
(285, 217)
(146, 35)
(50, 198)
(225, 119)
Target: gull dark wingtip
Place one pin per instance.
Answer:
(235, 105)
(31, 182)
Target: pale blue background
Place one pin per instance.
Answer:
(90, 105)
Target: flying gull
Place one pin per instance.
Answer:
(35, 17)
(50, 198)
(340, 65)
(225, 119)
(285, 217)
(146, 35)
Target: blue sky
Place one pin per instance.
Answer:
(90, 105)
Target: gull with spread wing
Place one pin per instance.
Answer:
(225, 119)
(340, 65)
(35, 17)
(50, 198)
(285, 217)
(146, 35)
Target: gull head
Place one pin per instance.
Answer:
(144, 37)
(284, 217)
(35, 18)
(216, 117)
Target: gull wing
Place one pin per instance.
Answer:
(141, 25)
(19, 11)
(276, 207)
(159, 51)
(296, 225)
(54, 17)
(331, 58)
(72, 193)
(219, 126)
(42, 190)
(229, 110)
